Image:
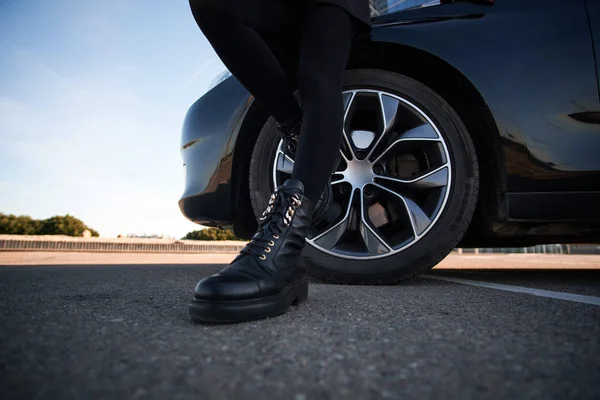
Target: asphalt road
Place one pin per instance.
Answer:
(122, 331)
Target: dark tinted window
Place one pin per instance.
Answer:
(382, 7)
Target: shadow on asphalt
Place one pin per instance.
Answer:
(162, 292)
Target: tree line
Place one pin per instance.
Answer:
(70, 226)
(58, 225)
(210, 234)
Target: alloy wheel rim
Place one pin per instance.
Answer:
(393, 181)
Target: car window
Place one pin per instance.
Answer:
(383, 7)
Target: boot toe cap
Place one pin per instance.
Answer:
(226, 288)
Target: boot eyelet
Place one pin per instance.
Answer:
(263, 257)
(267, 250)
(276, 237)
(271, 243)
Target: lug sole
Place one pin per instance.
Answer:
(249, 310)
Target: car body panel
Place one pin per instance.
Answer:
(593, 8)
(546, 149)
(541, 141)
(208, 141)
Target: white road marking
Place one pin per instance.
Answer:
(578, 298)
(519, 258)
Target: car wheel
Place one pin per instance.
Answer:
(405, 189)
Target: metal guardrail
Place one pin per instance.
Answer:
(131, 245)
(539, 249)
(42, 243)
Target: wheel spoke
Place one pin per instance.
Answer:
(329, 238)
(375, 244)
(433, 179)
(348, 99)
(389, 108)
(422, 133)
(418, 219)
(332, 236)
(343, 155)
(284, 163)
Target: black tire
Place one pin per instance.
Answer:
(451, 225)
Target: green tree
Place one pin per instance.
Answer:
(211, 234)
(62, 225)
(57, 225)
(18, 225)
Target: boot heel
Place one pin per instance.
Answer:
(300, 292)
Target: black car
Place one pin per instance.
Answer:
(470, 124)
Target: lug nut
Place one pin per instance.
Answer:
(345, 189)
(361, 155)
(378, 169)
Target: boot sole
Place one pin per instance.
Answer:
(248, 310)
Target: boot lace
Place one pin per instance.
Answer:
(273, 221)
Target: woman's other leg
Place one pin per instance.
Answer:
(327, 37)
(237, 30)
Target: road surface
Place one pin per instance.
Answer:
(121, 330)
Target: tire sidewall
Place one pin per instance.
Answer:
(450, 225)
(261, 167)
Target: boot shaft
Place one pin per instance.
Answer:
(292, 212)
(294, 239)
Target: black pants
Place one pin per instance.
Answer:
(274, 46)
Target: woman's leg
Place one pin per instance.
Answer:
(237, 30)
(327, 37)
(268, 275)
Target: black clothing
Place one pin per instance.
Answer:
(290, 132)
(359, 9)
(275, 46)
(326, 42)
(253, 39)
(269, 275)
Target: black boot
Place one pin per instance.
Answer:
(290, 131)
(269, 274)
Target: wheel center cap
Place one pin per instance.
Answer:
(359, 173)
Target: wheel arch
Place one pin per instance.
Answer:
(243, 220)
(435, 73)
(463, 96)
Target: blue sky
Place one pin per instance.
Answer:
(92, 98)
